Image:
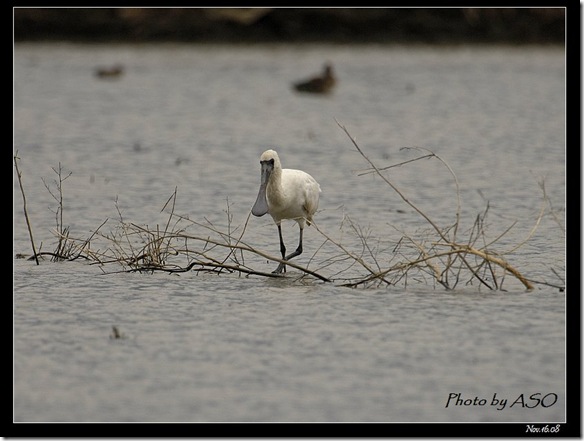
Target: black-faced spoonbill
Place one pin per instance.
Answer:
(285, 194)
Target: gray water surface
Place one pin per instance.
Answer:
(200, 347)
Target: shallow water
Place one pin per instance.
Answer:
(203, 347)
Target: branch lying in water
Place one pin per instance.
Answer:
(447, 267)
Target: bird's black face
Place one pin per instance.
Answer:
(267, 167)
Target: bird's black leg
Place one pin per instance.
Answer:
(298, 250)
(282, 267)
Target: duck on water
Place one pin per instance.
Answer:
(322, 84)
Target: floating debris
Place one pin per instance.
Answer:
(116, 334)
(111, 72)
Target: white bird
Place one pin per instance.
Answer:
(285, 194)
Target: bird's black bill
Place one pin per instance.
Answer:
(261, 204)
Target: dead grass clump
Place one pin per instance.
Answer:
(441, 255)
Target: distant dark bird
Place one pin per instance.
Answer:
(114, 71)
(319, 84)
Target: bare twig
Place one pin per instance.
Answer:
(19, 174)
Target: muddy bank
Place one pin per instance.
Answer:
(256, 25)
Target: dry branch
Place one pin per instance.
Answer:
(19, 174)
(446, 238)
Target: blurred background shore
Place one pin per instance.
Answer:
(298, 25)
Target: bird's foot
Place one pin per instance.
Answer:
(281, 269)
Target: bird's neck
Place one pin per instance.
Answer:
(276, 191)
